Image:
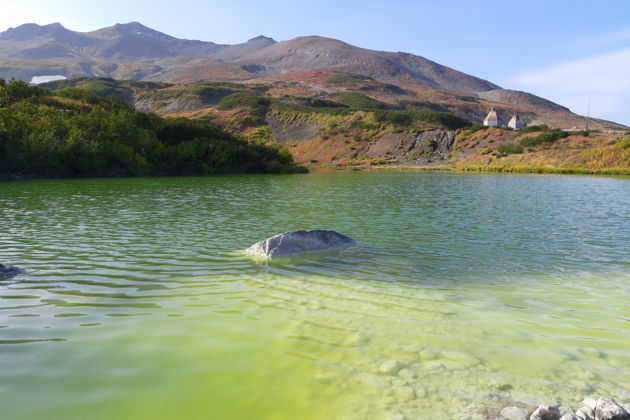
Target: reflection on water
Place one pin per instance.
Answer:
(465, 292)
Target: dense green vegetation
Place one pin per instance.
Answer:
(407, 118)
(364, 82)
(533, 129)
(467, 132)
(549, 136)
(74, 132)
(122, 89)
(509, 149)
(358, 101)
(209, 93)
(249, 101)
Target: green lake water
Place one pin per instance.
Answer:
(138, 302)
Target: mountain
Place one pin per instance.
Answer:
(132, 51)
(121, 42)
(30, 49)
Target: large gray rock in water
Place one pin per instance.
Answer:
(298, 242)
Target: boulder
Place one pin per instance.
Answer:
(298, 242)
(609, 409)
(545, 412)
(585, 413)
(514, 413)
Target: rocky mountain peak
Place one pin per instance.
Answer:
(29, 31)
(136, 29)
(263, 38)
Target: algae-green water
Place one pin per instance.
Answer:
(466, 292)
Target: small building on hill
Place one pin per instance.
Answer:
(516, 123)
(492, 119)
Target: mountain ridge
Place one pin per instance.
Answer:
(132, 51)
(259, 56)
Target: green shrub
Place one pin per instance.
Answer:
(357, 101)
(583, 133)
(549, 136)
(473, 129)
(510, 149)
(407, 118)
(349, 78)
(257, 105)
(533, 128)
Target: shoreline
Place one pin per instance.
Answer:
(602, 408)
(478, 169)
(310, 169)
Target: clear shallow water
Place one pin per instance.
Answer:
(486, 289)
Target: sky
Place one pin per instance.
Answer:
(565, 51)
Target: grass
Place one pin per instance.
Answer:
(609, 160)
(409, 118)
(357, 101)
(364, 83)
(545, 170)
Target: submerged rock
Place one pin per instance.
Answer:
(514, 413)
(300, 241)
(10, 270)
(390, 367)
(545, 412)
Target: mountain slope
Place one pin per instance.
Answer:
(319, 53)
(260, 56)
(133, 51)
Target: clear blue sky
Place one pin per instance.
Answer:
(566, 51)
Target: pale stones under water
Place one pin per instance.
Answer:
(546, 412)
(514, 413)
(390, 367)
(299, 242)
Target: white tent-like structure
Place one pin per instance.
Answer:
(516, 123)
(492, 119)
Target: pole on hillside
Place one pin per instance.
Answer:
(588, 112)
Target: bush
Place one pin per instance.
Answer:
(533, 129)
(407, 118)
(257, 105)
(349, 78)
(583, 133)
(357, 101)
(473, 129)
(510, 149)
(550, 136)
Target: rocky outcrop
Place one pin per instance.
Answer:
(439, 143)
(283, 132)
(298, 242)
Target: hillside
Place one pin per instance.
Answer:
(105, 51)
(75, 133)
(134, 52)
(356, 120)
